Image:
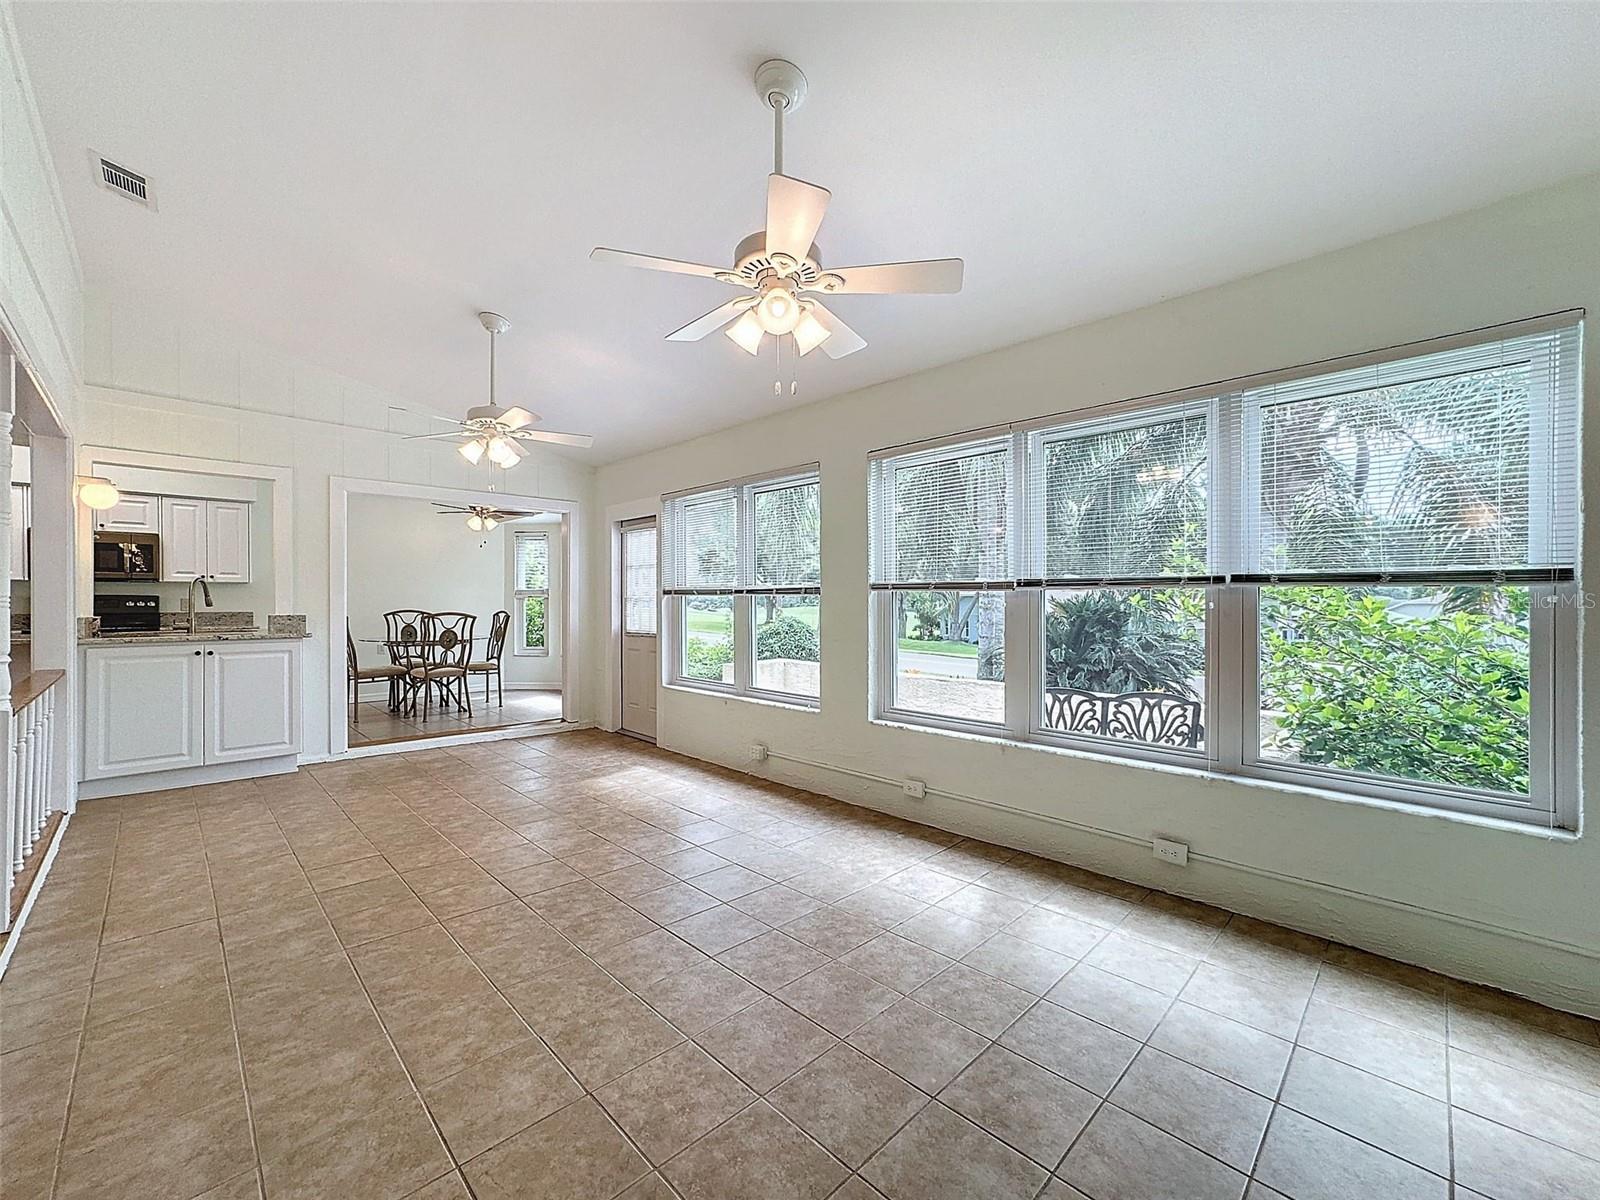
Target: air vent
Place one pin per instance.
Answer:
(115, 177)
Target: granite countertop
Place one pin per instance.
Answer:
(183, 635)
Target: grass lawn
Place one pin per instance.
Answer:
(955, 649)
(720, 621)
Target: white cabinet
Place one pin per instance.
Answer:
(132, 514)
(21, 518)
(142, 709)
(228, 541)
(252, 700)
(207, 539)
(189, 704)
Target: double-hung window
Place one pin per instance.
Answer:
(1357, 577)
(743, 581)
(531, 592)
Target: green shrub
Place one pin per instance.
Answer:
(705, 659)
(787, 637)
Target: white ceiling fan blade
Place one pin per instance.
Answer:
(841, 338)
(516, 417)
(794, 213)
(649, 262)
(582, 440)
(931, 276)
(714, 320)
(455, 433)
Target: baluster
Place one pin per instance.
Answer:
(40, 757)
(46, 802)
(24, 741)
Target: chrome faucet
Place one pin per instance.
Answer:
(204, 588)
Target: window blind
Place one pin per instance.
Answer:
(941, 517)
(533, 562)
(755, 535)
(1455, 464)
(1120, 499)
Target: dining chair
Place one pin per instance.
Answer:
(447, 643)
(490, 663)
(356, 674)
(403, 629)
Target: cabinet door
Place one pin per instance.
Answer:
(252, 700)
(183, 539)
(20, 519)
(141, 710)
(228, 541)
(131, 514)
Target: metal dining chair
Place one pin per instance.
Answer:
(490, 663)
(447, 641)
(357, 675)
(403, 628)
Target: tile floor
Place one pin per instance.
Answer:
(574, 966)
(378, 724)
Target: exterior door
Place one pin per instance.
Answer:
(641, 609)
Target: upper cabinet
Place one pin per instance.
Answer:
(205, 539)
(131, 514)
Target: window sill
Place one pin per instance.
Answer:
(795, 705)
(1280, 787)
(530, 653)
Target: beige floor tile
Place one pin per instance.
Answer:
(918, 1044)
(1529, 1103)
(576, 1153)
(1143, 962)
(1527, 1047)
(1393, 1118)
(731, 881)
(896, 962)
(241, 1187)
(673, 901)
(947, 933)
(1119, 1157)
(1275, 1008)
(1393, 1003)
(1020, 963)
(1119, 1003)
(982, 1003)
(499, 1096)
(987, 907)
(772, 960)
(1205, 1110)
(765, 1043)
(1405, 1058)
(106, 1104)
(1224, 1047)
(29, 1022)
(757, 1153)
(391, 1150)
(183, 1155)
(671, 1100)
(441, 1042)
(776, 905)
(837, 998)
(924, 883)
(298, 1098)
(942, 1156)
(564, 997)
(647, 958)
(612, 1040)
(833, 931)
(1311, 1161)
(1267, 952)
(696, 999)
(848, 1103)
(1027, 1107)
(1510, 1165)
(1087, 1053)
(718, 929)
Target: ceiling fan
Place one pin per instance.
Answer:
(480, 517)
(780, 266)
(489, 431)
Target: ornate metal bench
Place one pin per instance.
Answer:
(1157, 718)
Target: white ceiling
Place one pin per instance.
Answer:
(352, 181)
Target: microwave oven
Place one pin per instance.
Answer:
(127, 556)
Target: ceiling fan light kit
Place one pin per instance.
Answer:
(781, 263)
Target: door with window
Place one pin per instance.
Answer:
(641, 609)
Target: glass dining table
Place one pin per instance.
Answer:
(400, 648)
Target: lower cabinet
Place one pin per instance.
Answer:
(189, 704)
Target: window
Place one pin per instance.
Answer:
(743, 578)
(640, 601)
(532, 593)
(1357, 578)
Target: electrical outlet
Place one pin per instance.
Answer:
(915, 788)
(1167, 850)
(758, 752)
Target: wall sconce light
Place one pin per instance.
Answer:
(97, 492)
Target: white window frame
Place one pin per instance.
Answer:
(520, 596)
(628, 530)
(677, 604)
(1232, 705)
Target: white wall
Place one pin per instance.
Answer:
(165, 384)
(1512, 907)
(403, 554)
